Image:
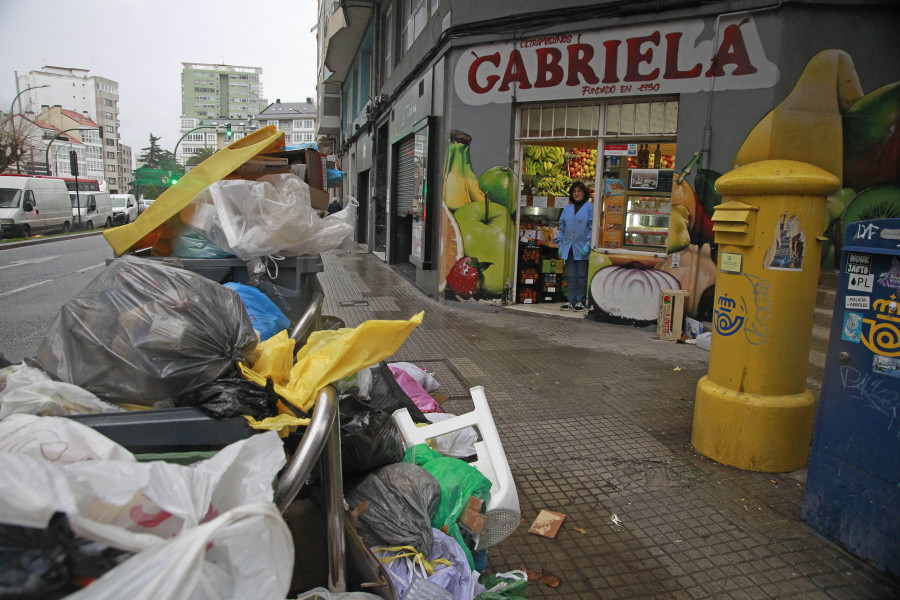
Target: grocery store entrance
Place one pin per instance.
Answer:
(624, 149)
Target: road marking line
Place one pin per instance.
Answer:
(22, 289)
(30, 261)
(89, 268)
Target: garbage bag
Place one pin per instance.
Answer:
(458, 481)
(266, 317)
(192, 244)
(422, 377)
(331, 355)
(232, 397)
(25, 389)
(54, 464)
(449, 570)
(416, 392)
(387, 394)
(271, 215)
(458, 444)
(402, 499)
(246, 552)
(369, 437)
(39, 563)
(501, 586)
(321, 593)
(145, 332)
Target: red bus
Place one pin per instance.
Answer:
(84, 184)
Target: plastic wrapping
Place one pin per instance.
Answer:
(402, 499)
(271, 215)
(25, 389)
(266, 317)
(416, 393)
(191, 244)
(387, 395)
(422, 377)
(459, 443)
(143, 332)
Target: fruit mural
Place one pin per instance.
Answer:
(477, 229)
(829, 121)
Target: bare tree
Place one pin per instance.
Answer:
(18, 137)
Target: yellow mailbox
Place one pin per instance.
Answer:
(753, 409)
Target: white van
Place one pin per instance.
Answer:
(96, 210)
(33, 205)
(125, 208)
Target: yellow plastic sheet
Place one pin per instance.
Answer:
(283, 424)
(275, 357)
(211, 170)
(332, 355)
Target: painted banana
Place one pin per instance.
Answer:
(460, 182)
(806, 126)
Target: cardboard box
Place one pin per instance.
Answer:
(547, 523)
(316, 171)
(671, 314)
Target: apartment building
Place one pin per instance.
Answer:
(78, 91)
(216, 99)
(84, 138)
(296, 119)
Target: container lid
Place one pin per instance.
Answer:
(771, 177)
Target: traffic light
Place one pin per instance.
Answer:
(173, 181)
(228, 132)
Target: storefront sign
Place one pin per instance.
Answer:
(666, 58)
(620, 149)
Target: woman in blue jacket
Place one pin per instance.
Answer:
(574, 242)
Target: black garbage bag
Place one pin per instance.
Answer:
(52, 562)
(232, 397)
(402, 499)
(144, 332)
(369, 437)
(387, 395)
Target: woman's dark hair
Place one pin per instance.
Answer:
(579, 184)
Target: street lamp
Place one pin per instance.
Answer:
(12, 107)
(175, 153)
(53, 139)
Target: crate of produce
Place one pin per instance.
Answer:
(528, 295)
(531, 254)
(529, 276)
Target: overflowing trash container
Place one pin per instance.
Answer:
(189, 429)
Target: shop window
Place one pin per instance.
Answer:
(560, 120)
(642, 118)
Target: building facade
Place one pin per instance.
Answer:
(297, 120)
(86, 138)
(437, 104)
(78, 91)
(217, 99)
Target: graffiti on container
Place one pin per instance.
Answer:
(756, 332)
(870, 391)
(866, 232)
(726, 323)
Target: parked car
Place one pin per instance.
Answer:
(143, 204)
(31, 205)
(125, 208)
(96, 210)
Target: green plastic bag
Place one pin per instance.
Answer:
(458, 480)
(515, 585)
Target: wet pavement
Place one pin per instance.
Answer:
(596, 423)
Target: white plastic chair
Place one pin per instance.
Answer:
(502, 511)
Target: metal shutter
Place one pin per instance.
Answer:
(405, 176)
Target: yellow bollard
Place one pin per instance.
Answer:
(753, 409)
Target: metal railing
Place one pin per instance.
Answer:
(322, 439)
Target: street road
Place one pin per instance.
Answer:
(36, 280)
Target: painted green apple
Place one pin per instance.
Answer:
(872, 138)
(597, 261)
(488, 236)
(501, 186)
(837, 202)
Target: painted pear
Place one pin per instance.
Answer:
(807, 126)
(460, 182)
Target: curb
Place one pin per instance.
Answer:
(38, 241)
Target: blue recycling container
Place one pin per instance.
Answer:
(853, 484)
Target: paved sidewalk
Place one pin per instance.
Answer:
(596, 423)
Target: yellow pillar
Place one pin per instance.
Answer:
(753, 409)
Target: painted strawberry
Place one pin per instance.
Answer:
(466, 276)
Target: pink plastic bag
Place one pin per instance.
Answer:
(416, 392)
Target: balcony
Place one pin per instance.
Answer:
(344, 31)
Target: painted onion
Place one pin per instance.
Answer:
(630, 294)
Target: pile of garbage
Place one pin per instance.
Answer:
(109, 491)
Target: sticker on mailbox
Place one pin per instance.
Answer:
(786, 252)
(885, 365)
(852, 327)
(858, 264)
(857, 302)
(861, 283)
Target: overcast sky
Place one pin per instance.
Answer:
(142, 43)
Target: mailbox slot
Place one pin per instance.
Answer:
(734, 223)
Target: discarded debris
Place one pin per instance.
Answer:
(677, 369)
(580, 530)
(547, 523)
(550, 579)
